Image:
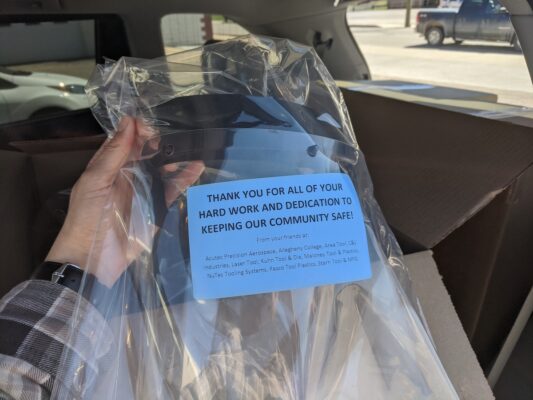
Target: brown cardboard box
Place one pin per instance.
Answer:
(461, 185)
(482, 104)
(424, 93)
(450, 339)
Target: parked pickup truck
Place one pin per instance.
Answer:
(475, 19)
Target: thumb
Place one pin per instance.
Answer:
(114, 153)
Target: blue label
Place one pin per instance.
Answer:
(271, 234)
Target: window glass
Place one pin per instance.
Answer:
(454, 47)
(4, 83)
(224, 28)
(184, 31)
(44, 67)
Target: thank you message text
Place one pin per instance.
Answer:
(270, 234)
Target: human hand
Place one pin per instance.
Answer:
(98, 218)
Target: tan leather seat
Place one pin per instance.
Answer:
(17, 209)
(34, 184)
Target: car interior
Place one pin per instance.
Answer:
(453, 182)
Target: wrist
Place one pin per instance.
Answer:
(67, 250)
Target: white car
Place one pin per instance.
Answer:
(26, 95)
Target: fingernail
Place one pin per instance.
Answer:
(124, 123)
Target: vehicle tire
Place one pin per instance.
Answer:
(458, 41)
(516, 44)
(435, 36)
(44, 112)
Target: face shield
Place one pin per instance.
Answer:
(259, 264)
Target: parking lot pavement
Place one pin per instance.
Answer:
(394, 52)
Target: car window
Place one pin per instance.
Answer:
(184, 31)
(224, 28)
(44, 67)
(493, 7)
(5, 84)
(474, 5)
(479, 56)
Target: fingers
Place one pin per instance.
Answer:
(145, 135)
(115, 151)
(177, 181)
(126, 145)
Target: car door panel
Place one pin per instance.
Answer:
(496, 22)
(467, 21)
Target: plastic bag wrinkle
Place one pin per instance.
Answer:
(248, 108)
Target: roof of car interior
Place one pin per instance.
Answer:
(252, 11)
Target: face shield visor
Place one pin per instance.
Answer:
(232, 294)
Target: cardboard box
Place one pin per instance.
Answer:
(422, 93)
(450, 339)
(473, 102)
(451, 342)
(461, 185)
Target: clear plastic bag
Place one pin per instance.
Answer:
(240, 110)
